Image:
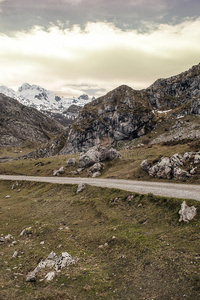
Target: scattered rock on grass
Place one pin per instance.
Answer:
(50, 276)
(59, 171)
(26, 231)
(52, 261)
(81, 187)
(187, 213)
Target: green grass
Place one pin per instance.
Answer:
(152, 256)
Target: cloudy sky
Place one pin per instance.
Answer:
(92, 46)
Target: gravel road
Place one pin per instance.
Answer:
(185, 191)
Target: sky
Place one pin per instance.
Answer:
(75, 47)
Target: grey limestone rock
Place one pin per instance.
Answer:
(171, 167)
(71, 162)
(89, 158)
(97, 167)
(163, 169)
(96, 174)
(180, 174)
(145, 165)
(59, 171)
(51, 262)
(81, 187)
(187, 213)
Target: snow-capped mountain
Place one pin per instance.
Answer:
(42, 99)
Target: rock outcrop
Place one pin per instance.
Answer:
(177, 90)
(172, 167)
(51, 262)
(126, 114)
(97, 154)
(121, 114)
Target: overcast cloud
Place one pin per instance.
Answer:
(72, 47)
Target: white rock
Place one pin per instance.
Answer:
(187, 213)
(59, 171)
(145, 165)
(50, 276)
(15, 254)
(193, 171)
(197, 159)
(81, 187)
(180, 174)
(65, 259)
(31, 276)
(96, 174)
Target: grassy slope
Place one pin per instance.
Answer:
(152, 257)
(126, 168)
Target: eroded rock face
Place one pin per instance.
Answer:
(187, 213)
(121, 114)
(177, 90)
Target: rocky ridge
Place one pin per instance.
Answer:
(177, 90)
(126, 114)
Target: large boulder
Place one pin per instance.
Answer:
(59, 171)
(95, 168)
(187, 213)
(163, 169)
(97, 154)
(71, 162)
(108, 154)
(81, 187)
(89, 158)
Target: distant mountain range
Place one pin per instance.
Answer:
(42, 99)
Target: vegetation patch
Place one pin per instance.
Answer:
(125, 245)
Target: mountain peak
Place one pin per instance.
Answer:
(24, 86)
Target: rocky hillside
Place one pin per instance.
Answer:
(175, 91)
(121, 114)
(19, 124)
(126, 114)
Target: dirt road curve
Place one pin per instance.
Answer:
(144, 187)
